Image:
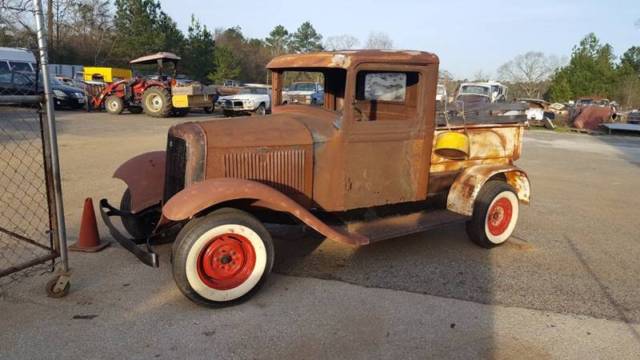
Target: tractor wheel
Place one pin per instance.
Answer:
(139, 227)
(222, 258)
(261, 110)
(495, 214)
(114, 105)
(135, 109)
(156, 102)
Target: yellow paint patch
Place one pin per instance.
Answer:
(180, 101)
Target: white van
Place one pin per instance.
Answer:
(16, 59)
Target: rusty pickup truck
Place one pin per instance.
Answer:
(363, 167)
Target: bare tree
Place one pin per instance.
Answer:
(379, 40)
(341, 42)
(481, 76)
(528, 73)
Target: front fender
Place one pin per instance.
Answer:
(203, 195)
(144, 176)
(465, 189)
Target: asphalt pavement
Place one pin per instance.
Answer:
(566, 285)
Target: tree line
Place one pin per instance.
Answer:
(593, 70)
(100, 32)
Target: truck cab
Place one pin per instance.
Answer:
(368, 164)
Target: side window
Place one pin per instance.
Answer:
(4, 67)
(386, 95)
(20, 66)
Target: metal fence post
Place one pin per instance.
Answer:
(51, 135)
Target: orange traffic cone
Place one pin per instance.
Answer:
(88, 240)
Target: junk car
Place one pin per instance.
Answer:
(361, 168)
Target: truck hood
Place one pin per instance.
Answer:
(289, 125)
(299, 92)
(242, 97)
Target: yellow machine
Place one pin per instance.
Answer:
(106, 74)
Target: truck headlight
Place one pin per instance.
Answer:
(248, 103)
(59, 93)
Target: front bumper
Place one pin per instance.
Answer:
(70, 101)
(148, 256)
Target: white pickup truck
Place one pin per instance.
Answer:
(250, 99)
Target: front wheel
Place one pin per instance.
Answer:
(261, 110)
(495, 214)
(222, 258)
(114, 105)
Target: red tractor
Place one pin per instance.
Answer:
(158, 95)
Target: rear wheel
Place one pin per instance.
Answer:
(114, 105)
(156, 102)
(495, 214)
(222, 258)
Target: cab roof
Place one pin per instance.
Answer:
(346, 59)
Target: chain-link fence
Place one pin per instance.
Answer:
(27, 226)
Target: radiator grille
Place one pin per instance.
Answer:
(175, 167)
(281, 169)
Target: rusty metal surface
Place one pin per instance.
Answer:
(467, 185)
(590, 117)
(144, 176)
(351, 58)
(201, 196)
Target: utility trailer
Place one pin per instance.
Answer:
(366, 165)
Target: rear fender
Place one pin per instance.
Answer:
(144, 176)
(465, 189)
(201, 196)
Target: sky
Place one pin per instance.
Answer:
(468, 35)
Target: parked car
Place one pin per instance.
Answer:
(304, 93)
(480, 93)
(250, 99)
(371, 146)
(16, 59)
(20, 83)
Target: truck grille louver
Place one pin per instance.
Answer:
(281, 169)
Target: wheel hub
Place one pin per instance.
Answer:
(499, 216)
(226, 261)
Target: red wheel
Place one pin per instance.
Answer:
(227, 261)
(222, 258)
(499, 216)
(495, 214)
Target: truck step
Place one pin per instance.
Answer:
(401, 225)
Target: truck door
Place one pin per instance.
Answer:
(387, 150)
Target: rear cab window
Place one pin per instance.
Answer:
(386, 95)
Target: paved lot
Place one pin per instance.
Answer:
(566, 287)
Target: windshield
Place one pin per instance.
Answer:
(262, 91)
(475, 89)
(303, 87)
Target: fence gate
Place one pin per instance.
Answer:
(28, 234)
(32, 229)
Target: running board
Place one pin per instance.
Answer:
(401, 225)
